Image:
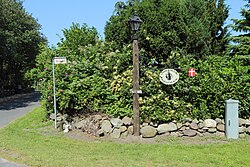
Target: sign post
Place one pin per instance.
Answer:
(56, 60)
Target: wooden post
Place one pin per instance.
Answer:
(136, 88)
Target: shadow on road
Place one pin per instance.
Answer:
(19, 101)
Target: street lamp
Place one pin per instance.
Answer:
(135, 22)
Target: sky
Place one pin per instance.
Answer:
(55, 15)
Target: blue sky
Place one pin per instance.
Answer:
(55, 15)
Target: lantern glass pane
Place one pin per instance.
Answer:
(132, 26)
(136, 25)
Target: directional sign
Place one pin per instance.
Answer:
(60, 60)
(169, 76)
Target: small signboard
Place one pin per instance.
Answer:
(169, 76)
(191, 72)
(60, 60)
(137, 91)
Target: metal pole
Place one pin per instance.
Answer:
(136, 88)
(54, 91)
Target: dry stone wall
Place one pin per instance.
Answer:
(102, 125)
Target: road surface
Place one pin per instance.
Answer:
(13, 107)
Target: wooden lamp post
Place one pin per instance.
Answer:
(135, 22)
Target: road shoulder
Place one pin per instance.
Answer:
(6, 163)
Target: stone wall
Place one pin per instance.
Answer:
(102, 125)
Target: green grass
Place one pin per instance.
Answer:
(23, 142)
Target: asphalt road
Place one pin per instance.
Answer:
(6, 163)
(12, 108)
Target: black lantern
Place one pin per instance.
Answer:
(135, 22)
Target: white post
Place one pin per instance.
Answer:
(54, 91)
(56, 60)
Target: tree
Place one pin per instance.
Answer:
(241, 44)
(218, 13)
(81, 84)
(78, 36)
(19, 42)
(195, 26)
(119, 6)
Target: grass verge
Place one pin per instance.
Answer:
(23, 142)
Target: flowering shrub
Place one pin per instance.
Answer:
(97, 78)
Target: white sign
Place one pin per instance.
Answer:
(137, 91)
(169, 76)
(60, 60)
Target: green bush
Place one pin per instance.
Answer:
(99, 79)
(218, 78)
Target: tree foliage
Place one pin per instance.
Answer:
(80, 84)
(74, 36)
(242, 42)
(19, 40)
(217, 15)
(195, 26)
(96, 78)
(176, 34)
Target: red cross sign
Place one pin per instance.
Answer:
(191, 72)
